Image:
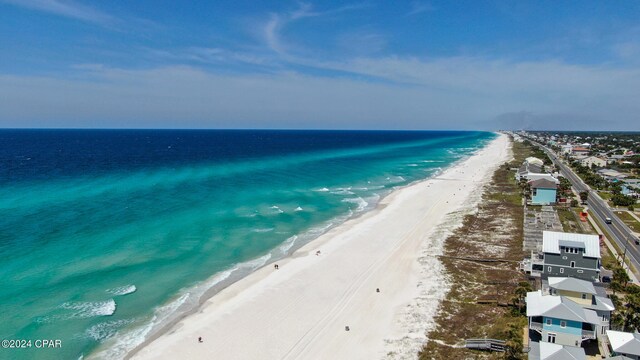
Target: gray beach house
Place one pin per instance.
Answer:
(571, 255)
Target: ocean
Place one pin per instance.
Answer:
(107, 235)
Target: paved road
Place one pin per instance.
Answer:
(620, 232)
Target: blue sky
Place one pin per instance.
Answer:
(330, 64)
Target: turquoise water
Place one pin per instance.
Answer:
(103, 256)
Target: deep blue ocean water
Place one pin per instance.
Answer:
(105, 235)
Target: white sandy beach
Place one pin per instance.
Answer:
(300, 310)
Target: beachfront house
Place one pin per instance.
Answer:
(543, 192)
(571, 255)
(549, 351)
(611, 175)
(566, 149)
(528, 168)
(585, 294)
(579, 151)
(624, 344)
(559, 320)
(591, 161)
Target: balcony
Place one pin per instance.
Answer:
(588, 334)
(537, 326)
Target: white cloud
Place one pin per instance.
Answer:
(455, 93)
(277, 23)
(65, 8)
(419, 7)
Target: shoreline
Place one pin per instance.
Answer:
(235, 294)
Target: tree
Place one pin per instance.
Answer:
(630, 312)
(514, 342)
(520, 293)
(574, 203)
(615, 189)
(564, 184)
(584, 195)
(622, 200)
(620, 279)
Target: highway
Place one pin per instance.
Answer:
(622, 235)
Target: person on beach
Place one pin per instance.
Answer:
(276, 266)
(200, 339)
(318, 253)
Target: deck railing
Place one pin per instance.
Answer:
(486, 344)
(535, 326)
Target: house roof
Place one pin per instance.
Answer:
(572, 284)
(550, 351)
(602, 304)
(624, 342)
(533, 176)
(534, 161)
(612, 173)
(558, 307)
(552, 240)
(578, 148)
(592, 158)
(543, 184)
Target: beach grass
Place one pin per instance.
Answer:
(494, 232)
(570, 220)
(629, 220)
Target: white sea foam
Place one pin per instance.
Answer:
(90, 309)
(264, 230)
(298, 209)
(122, 290)
(287, 244)
(125, 341)
(412, 165)
(277, 209)
(255, 263)
(342, 192)
(324, 189)
(128, 340)
(105, 330)
(362, 204)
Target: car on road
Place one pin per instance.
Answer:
(606, 279)
(607, 220)
(637, 241)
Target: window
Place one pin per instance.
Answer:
(571, 250)
(584, 296)
(579, 271)
(563, 324)
(561, 270)
(573, 264)
(548, 321)
(549, 269)
(551, 338)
